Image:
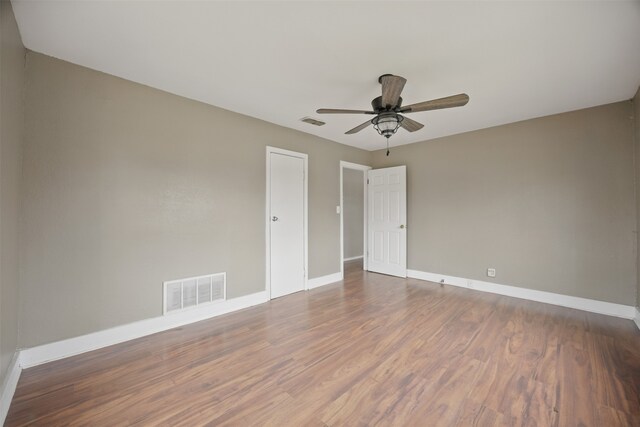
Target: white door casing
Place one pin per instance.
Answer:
(387, 235)
(286, 222)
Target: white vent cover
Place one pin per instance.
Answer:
(192, 292)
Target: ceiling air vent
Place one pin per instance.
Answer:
(193, 292)
(312, 121)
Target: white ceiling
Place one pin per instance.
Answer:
(280, 61)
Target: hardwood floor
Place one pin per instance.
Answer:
(375, 350)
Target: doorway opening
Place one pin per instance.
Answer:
(353, 216)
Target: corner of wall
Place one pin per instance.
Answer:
(12, 131)
(635, 121)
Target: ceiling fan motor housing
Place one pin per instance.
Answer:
(377, 106)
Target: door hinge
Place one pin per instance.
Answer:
(367, 181)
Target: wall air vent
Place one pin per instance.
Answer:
(184, 294)
(312, 121)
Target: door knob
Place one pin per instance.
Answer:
(274, 218)
(402, 226)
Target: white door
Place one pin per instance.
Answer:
(286, 224)
(387, 239)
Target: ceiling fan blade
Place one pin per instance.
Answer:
(410, 125)
(391, 89)
(358, 128)
(340, 111)
(437, 104)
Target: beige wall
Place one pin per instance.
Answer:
(127, 186)
(548, 202)
(636, 127)
(353, 216)
(11, 135)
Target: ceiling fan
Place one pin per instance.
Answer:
(388, 108)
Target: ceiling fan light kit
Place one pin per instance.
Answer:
(387, 123)
(387, 108)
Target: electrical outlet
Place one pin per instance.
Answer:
(491, 272)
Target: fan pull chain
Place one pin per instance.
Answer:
(387, 147)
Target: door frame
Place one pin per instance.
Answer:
(348, 165)
(305, 185)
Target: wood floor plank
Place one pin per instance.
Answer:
(370, 350)
(578, 403)
(475, 414)
(444, 405)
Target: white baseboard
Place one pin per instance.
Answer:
(316, 282)
(594, 306)
(353, 258)
(58, 350)
(637, 317)
(9, 385)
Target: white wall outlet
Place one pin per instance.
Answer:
(491, 272)
(338, 210)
